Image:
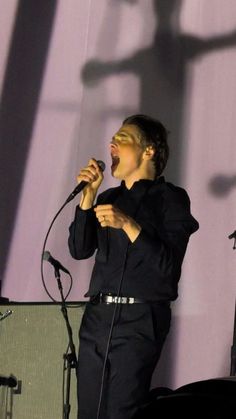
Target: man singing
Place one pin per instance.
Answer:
(140, 231)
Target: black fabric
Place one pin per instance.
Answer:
(148, 269)
(138, 336)
(154, 260)
(208, 399)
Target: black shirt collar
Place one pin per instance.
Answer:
(143, 183)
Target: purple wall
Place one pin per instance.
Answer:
(173, 59)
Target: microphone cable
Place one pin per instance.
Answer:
(42, 258)
(110, 334)
(115, 310)
(77, 189)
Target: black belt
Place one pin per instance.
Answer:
(114, 299)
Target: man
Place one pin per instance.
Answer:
(140, 230)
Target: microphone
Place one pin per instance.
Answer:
(57, 265)
(82, 184)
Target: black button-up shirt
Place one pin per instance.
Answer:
(150, 267)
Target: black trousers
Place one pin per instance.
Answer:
(138, 336)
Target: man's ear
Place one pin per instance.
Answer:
(149, 152)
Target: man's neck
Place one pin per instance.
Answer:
(129, 182)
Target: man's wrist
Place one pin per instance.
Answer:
(87, 201)
(132, 229)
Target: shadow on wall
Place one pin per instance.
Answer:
(162, 72)
(20, 94)
(221, 185)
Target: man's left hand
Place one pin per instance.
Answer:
(111, 216)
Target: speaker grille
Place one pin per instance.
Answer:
(34, 339)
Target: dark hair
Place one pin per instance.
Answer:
(153, 133)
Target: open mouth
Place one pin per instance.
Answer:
(115, 162)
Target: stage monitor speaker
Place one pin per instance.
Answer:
(34, 340)
(207, 399)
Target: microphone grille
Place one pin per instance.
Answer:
(101, 164)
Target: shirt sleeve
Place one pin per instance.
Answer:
(164, 249)
(83, 234)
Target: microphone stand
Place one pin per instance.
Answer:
(233, 349)
(70, 358)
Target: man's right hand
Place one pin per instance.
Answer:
(94, 176)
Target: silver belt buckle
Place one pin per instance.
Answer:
(117, 300)
(109, 299)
